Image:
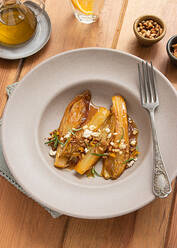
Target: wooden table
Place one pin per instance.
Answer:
(23, 223)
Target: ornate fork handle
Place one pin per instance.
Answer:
(161, 183)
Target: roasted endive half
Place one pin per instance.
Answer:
(113, 166)
(101, 120)
(74, 116)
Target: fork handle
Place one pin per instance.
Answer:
(161, 183)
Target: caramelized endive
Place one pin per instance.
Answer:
(75, 116)
(113, 167)
(88, 133)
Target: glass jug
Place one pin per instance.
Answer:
(17, 21)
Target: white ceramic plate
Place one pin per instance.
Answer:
(36, 108)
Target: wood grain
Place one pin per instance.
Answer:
(144, 228)
(68, 33)
(172, 230)
(157, 53)
(26, 224)
(145, 221)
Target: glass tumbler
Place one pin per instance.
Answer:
(87, 11)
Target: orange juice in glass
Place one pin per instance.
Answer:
(87, 11)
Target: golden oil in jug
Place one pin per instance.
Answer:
(17, 23)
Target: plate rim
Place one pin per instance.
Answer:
(132, 209)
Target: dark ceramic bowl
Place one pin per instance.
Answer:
(171, 41)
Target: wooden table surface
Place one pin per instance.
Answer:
(23, 223)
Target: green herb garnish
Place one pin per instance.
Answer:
(99, 154)
(94, 172)
(72, 132)
(128, 160)
(66, 142)
(76, 129)
(87, 145)
(50, 141)
(121, 135)
(55, 143)
(97, 144)
(55, 140)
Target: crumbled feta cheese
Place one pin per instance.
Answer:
(122, 146)
(120, 152)
(52, 153)
(87, 133)
(115, 133)
(109, 135)
(61, 138)
(135, 159)
(95, 134)
(133, 142)
(116, 150)
(107, 130)
(129, 120)
(135, 131)
(92, 127)
(130, 164)
(112, 143)
(85, 127)
(86, 150)
(67, 135)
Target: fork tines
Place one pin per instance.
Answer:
(147, 84)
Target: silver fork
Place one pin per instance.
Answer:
(149, 100)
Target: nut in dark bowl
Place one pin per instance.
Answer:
(172, 49)
(149, 29)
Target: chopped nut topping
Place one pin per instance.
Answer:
(95, 134)
(85, 127)
(92, 127)
(87, 133)
(109, 135)
(115, 150)
(122, 146)
(135, 131)
(112, 143)
(101, 149)
(107, 130)
(133, 142)
(86, 150)
(149, 29)
(129, 120)
(67, 135)
(52, 153)
(130, 164)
